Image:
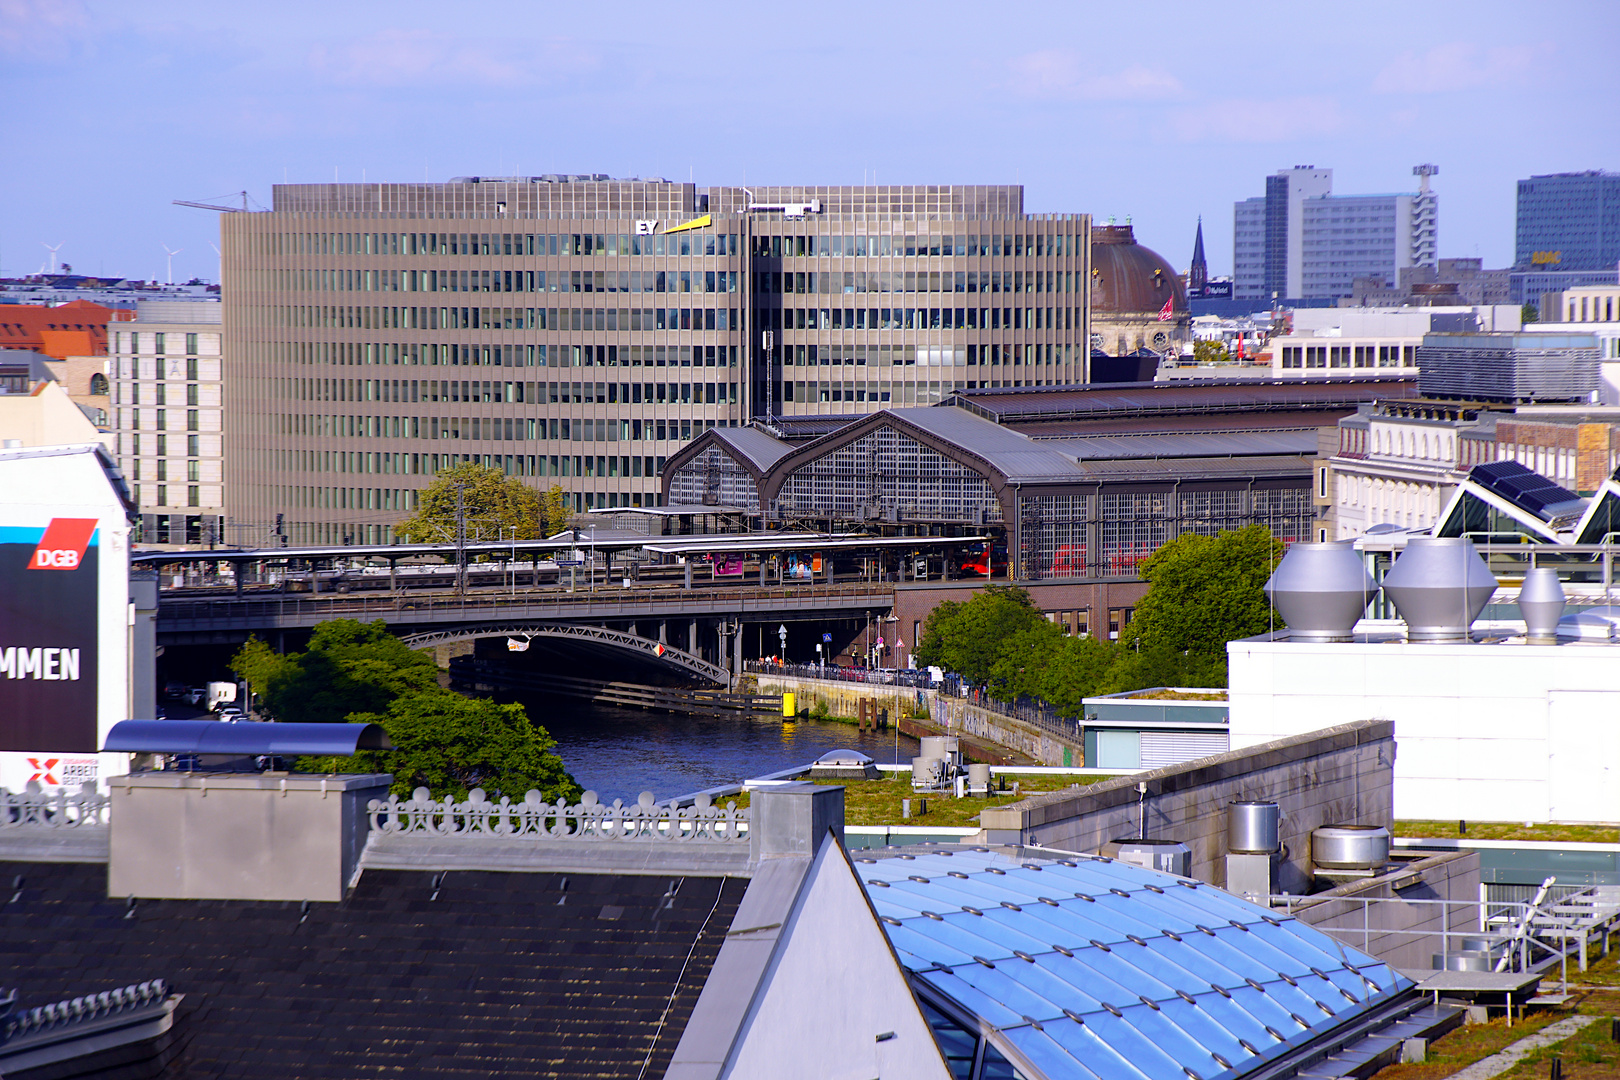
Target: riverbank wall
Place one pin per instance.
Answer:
(932, 712)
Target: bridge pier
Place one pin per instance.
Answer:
(691, 638)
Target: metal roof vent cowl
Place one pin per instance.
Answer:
(1253, 828)
(1321, 590)
(1439, 585)
(1541, 602)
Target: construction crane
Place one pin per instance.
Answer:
(214, 206)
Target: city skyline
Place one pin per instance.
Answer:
(1153, 117)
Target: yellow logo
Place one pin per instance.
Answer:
(696, 223)
(1544, 258)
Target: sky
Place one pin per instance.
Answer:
(1158, 113)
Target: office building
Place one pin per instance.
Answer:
(167, 406)
(633, 316)
(1301, 241)
(1566, 234)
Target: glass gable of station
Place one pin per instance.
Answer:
(1089, 967)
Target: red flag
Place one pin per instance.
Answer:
(1240, 345)
(1165, 314)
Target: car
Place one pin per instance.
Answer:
(230, 714)
(196, 695)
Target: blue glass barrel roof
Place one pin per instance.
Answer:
(1090, 967)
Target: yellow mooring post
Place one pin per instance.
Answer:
(788, 709)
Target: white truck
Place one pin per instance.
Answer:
(220, 693)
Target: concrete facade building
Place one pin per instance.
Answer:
(350, 401)
(1566, 233)
(167, 405)
(1300, 241)
(1332, 343)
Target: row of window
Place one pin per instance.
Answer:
(508, 281)
(532, 244)
(160, 419)
(348, 317)
(193, 470)
(159, 340)
(1344, 356)
(956, 245)
(161, 496)
(511, 428)
(916, 281)
(363, 463)
(397, 354)
(475, 390)
(158, 445)
(924, 355)
(995, 318)
(156, 394)
(696, 242)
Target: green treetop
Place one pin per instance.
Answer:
(493, 506)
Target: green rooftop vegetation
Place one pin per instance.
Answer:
(877, 802)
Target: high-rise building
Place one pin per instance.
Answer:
(1300, 241)
(167, 406)
(577, 330)
(1567, 233)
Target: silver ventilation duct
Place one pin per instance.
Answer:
(1541, 601)
(1439, 585)
(1321, 590)
(1253, 828)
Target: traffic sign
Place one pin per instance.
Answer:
(569, 562)
(826, 638)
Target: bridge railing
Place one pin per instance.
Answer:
(921, 680)
(361, 604)
(586, 821)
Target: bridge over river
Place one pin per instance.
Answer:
(697, 631)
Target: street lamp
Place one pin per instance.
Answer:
(781, 633)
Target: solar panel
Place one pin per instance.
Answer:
(1526, 489)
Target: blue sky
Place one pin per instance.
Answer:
(1159, 111)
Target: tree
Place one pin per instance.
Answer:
(1530, 313)
(451, 744)
(491, 504)
(1210, 352)
(967, 637)
(349, 667)
(554, 512)
(1204, 591)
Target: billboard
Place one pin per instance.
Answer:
(65, 615)
(48, 636)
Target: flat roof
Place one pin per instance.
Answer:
(804, 542)
(671, 510)
(1009, 405)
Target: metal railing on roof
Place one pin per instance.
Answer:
(34, 808)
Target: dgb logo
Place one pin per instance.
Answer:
(62, 546)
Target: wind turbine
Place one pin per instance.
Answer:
(53, 251)
(171, 255)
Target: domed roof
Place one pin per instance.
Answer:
(1127, 278)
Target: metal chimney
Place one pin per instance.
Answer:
(1541, 601)
(1439, 585)
(1321, 590)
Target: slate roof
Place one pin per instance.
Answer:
(465, 974)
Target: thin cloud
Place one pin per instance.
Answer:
(1460, 65)
(394, 58)
(1257, 120)
(1061, 74)
(43, 29)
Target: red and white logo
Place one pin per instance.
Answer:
(44, 769)
(62, 546)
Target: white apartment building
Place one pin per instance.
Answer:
(167, 406)
(1300, 241)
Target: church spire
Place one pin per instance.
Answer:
(1198, 272)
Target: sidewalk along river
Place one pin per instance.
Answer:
(619, 753)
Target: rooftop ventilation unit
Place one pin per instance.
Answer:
(1439, 585)
(1541, 602)
(1321, 590)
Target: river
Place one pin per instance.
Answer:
(619, 753)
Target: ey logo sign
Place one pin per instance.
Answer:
(44, 769)
(62, 546)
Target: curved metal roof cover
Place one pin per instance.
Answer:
(756, 447)
(243, 739)
(1015, 456)
(1093, 967)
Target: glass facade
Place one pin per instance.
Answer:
(385, 332)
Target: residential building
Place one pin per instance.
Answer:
(35, 409)
(634, 315)
(1300, 241)
(167, 404)
(75, 328)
